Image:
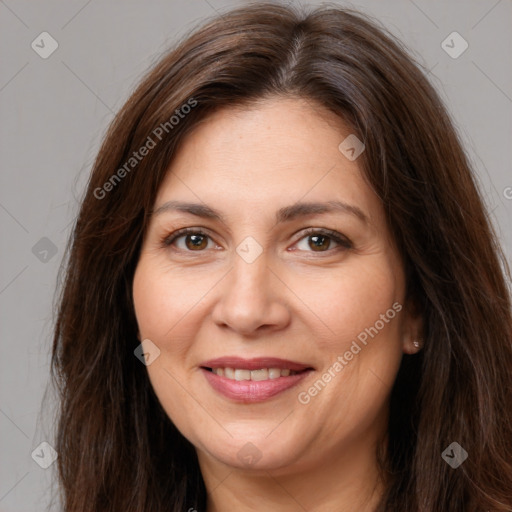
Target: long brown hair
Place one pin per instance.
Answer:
(117, 448)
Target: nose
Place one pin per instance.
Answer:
(251, 299)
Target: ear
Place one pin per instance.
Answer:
(412, 336)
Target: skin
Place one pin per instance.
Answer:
(292, 302)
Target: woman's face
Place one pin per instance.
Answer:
(251, 294)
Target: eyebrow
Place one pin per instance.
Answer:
(285, 214)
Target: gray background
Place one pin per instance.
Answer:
(54, 112)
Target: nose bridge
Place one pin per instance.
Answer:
(249, 289)
(250, 276)
(249, 298)
(250, 262)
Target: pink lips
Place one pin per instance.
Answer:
(248, 391)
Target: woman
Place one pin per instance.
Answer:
(283, 291)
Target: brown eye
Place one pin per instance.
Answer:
(196, 242)
(319, 242)
(316, 240)
(188, 240)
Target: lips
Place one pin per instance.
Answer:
(253, 380)
(256, 363)
(255, 375)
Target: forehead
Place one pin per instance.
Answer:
(270, 154)
(282, 129)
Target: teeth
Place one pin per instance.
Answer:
(274, 373)
(242, 375)
(259, 374)
(256, 375)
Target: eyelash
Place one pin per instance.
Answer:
(343, 242)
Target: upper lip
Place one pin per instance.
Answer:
(254, 363)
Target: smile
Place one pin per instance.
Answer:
(255, 375)
(253, 380)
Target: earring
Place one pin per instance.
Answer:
(417, 343)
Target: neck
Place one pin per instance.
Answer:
(348, 480)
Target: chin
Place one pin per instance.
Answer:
(255, 452)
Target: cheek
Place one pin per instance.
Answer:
(363, 309)
(149, 297)
(164, 298)
(161, 304)
(348, 302)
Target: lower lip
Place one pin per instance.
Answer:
(249, 391)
